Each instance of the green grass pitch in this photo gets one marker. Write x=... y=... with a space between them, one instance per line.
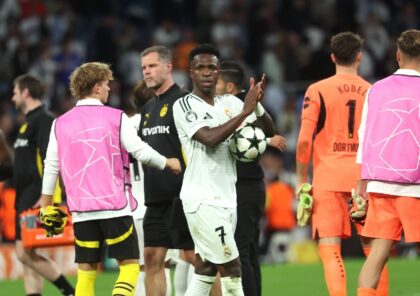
x=287 y=279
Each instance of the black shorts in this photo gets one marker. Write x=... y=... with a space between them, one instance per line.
x=251 y=202
x=118 y=233
x=165 y=226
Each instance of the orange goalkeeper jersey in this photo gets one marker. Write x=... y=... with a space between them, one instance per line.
x=335 y=106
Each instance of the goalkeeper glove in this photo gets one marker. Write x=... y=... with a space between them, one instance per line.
x=53 y=220
x=358 y=207
x=304 y=209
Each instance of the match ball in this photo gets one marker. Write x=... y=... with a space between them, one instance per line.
x=247 y=143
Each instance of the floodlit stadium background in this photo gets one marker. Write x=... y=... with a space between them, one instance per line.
x=287 y=40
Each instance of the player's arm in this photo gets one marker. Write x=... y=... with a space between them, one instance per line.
x=261 y=118
x=362 y=129
x=362 y=184
x=361 y=188
x=142 y=151
x=304 y=149
x=303 y=156
x=264 y=120
x=310 y=113
x=214 y=136
x=51 y=170
x=44 y=201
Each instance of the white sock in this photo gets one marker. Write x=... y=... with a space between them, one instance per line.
x=181 y=277
x=168 y=282
x=140 y=288
x=232 y=286
x=200 y=285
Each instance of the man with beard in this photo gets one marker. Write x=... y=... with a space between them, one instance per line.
x=30 y=150
x=164 y=222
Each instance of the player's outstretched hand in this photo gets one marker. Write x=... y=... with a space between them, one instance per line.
x=174 y=165
x=261 y=86
x=254 y=95
x=278 y=142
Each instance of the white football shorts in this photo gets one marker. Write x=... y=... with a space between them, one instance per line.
x=213 y=231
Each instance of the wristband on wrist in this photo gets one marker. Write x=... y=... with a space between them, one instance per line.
x=259 y=110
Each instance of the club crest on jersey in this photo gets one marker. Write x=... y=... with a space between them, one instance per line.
x=228 y=113
x=23 y=128
x=227 y=251
x=191 y=116
x=164 y=110
x=146 y=117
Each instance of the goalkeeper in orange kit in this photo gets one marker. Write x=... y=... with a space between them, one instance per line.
x=331 y=116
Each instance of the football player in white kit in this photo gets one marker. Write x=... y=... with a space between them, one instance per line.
x=204 y=123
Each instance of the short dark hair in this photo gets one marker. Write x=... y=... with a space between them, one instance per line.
x=345 y=46
x=163 y=52
x=34 y=85
x=203 y=49
x=232 y=72
x=409 y=43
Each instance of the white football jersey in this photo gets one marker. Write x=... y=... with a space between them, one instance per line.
x=210 y=175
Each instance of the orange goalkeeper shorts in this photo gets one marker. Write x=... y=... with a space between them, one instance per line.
x=330 y=216
x=389 y=215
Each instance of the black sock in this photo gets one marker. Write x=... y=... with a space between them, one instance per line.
x=64 y=286
x=33 y=294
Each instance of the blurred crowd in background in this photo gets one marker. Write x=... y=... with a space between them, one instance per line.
x=286 y=39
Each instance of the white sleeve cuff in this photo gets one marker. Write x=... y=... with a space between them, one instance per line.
x=259 y=110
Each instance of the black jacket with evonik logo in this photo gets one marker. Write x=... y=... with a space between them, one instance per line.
x=157 y=128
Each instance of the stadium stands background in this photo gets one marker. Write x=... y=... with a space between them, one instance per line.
x=286 y=39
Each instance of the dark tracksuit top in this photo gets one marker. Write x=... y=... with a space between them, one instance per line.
x=30 y=150
x=157 y=128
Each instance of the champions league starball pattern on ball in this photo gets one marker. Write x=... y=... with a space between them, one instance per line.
x=247 y=143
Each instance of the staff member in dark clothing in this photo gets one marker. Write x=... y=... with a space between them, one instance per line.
x=30 y=149
x=164 y=224
x=250 y=190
